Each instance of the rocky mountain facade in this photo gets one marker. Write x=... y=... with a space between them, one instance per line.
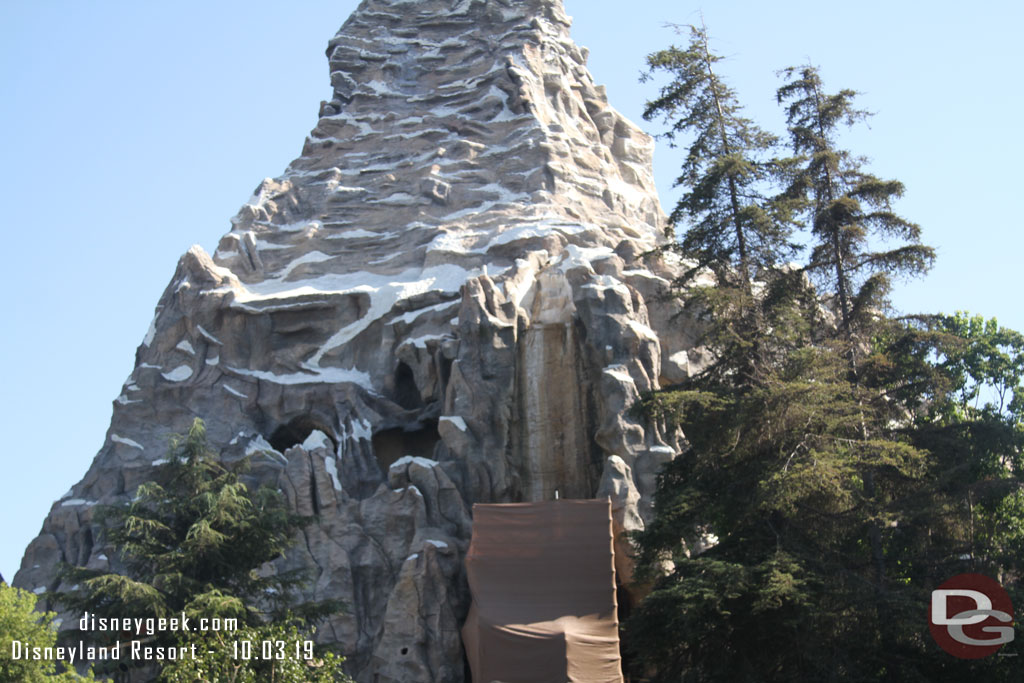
x=452 y=296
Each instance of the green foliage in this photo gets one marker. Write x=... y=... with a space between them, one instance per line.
x=841 y=464
x=847 y=207
x=735 y=230
x=192 y=543
x=815 y=574
x=968 y=415
x=20 y=623
x=279 y=653
x=739 y=234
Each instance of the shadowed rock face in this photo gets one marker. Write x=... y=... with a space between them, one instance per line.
x=444 y=300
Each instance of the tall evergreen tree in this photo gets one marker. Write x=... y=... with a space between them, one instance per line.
x=848 y=206
x=734 y=228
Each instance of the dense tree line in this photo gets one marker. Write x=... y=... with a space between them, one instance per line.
x=842 y=462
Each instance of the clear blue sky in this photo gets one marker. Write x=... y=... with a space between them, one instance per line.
x=132 y=130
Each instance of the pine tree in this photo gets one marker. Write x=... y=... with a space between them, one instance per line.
x=848 y=206
x=192 y=542
x=735 y=230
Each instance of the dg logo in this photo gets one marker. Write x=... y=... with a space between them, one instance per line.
x=970 y=616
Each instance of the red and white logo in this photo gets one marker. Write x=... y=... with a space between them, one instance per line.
x=971 y=616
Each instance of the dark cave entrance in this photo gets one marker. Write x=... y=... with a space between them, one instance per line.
x=406 y=394
x=296 y=431
x=417 y=440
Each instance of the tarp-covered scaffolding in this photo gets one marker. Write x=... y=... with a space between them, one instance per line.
x=542 y=576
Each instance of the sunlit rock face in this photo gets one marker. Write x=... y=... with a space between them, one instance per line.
x=450 y=297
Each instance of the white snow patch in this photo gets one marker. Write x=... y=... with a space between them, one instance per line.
x=331 y=465
x=127 y=442
x=259 y=445
x=151 y=332
x=437 y=544
x=406 y=459
x=642 y=330
x=361 y=429
x=234 y=392
x=523 y=232
x=668 y=450
x=410 y=316
x=213 y=361
x=456 y=420
x=583 y=256
x=273 y=308
x=412 y=557
x=186 y=346
x=316 y=439
x=39 y=590
x=619 y=372
x=457 y=241
x=208 y=336
x=421 y=341
x=77 y=502
x=178 y=374
x=298 y=226
x=351 y=234
x=411 y=488
x=384 y=292
x=444 y=277
x=160 y=461
x=314 y=376
x=608 y=282
x=311 y=257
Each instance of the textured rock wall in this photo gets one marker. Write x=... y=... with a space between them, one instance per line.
x=446 y=299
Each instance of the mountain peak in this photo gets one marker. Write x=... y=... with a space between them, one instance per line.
x=451 y=124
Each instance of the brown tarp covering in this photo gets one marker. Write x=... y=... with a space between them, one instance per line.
x=542 y=576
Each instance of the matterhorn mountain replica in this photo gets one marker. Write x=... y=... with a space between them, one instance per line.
x=449 y=298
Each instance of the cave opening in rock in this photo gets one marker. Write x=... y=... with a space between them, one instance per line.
x=406 y=393
x=417 y=440
x=296 y=431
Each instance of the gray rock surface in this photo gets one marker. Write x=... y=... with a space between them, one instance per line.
x=448 y=298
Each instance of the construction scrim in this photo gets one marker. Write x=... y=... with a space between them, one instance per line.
x=542 y=576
